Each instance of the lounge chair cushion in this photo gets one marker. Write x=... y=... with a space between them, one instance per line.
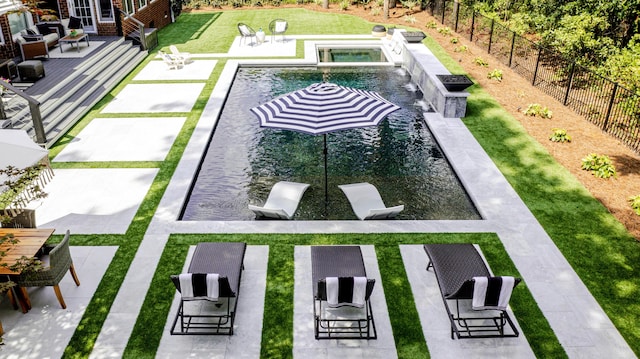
x=367 y=202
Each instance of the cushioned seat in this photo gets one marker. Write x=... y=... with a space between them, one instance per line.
x=31 y=69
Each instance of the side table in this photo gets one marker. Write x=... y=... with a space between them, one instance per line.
x=260 y=36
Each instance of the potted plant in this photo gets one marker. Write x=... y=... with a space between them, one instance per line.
x=20 y=187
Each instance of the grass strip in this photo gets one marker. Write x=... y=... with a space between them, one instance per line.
x=277 y=332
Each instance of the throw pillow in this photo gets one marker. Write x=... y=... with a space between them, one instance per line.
x=31 y=38
x=43 y=29
x=74 y=23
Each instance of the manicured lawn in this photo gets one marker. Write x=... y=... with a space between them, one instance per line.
x=603 y=254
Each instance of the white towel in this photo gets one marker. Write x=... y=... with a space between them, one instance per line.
x=332 y=290
x=186 y=285
x=482 y=288
x=359 y=291
x=357 y=286
x=211 y=282
x=213 y=286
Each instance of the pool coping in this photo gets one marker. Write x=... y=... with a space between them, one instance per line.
x=555 y=286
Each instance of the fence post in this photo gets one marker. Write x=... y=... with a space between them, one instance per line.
x=38 y=126
x=490 y=36
x=569 y=83
x=605 y=125
x=535 y=72
x=457 y=10
x=473 y=25
x=513 y=45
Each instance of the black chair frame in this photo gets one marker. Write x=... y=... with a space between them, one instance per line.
x=325 y=328
x=463 y=262
x=340 y=261
x=227 y=260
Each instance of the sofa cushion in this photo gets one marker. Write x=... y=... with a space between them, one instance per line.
x=75 y=23
x=43 y=29
x=32 y=38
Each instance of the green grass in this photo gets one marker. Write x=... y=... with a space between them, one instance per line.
x=603 y=254
x=277 y=332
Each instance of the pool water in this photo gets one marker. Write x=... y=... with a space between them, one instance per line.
x=370 y=54
x=400 y=156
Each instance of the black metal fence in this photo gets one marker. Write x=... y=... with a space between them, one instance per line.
x=613 y=108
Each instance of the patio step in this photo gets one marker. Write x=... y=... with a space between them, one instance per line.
x=99 y=81
x=68 y=101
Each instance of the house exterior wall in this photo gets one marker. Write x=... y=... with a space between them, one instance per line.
x=9 y=49
x=155 y=14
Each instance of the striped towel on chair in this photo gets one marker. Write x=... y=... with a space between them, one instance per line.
x=492 y=292
x=199 y=286
x=346 y=291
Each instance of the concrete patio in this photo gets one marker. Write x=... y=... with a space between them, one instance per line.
x=81 y=200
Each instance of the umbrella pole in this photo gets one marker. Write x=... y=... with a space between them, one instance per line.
x=326 y=184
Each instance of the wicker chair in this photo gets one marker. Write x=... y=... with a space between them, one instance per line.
x=278 y=27
x=59 y=263
x=247 y=32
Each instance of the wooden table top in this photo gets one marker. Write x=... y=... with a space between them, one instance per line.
x=31 y=240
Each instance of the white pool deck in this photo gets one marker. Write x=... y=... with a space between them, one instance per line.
x=105 y=201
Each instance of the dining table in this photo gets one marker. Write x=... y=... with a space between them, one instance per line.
x=30 y=240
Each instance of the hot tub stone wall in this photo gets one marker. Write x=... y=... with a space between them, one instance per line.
x=423 y=67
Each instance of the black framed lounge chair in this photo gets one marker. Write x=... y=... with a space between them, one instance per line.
x=367 y=203
x=480 y=299
x=341 y=293
x=214 y=276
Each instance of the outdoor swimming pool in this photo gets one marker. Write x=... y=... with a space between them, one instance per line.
x=400 y=157
x=351 y=54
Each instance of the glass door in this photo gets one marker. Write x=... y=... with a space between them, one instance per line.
x=84 y=10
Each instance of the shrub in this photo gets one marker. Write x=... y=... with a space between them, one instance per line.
x=599 y=165
x=445 y=31
x=409 y=4
x=461 y=48
x=560 y=135
x=432 y=24
x=344 y=5
x=496 y=74
x=454 y=40
x=635 y=203
x=480 y=62
x=375 y=11
x=535 y=109
x=410 y=19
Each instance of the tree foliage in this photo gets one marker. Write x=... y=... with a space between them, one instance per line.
x=601 y=35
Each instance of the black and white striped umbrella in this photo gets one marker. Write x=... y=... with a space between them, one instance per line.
x=322 y=108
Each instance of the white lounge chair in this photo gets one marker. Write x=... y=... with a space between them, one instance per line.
x=283 y=200
x=169 y=60
x=183 y=57
x=367 y=203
